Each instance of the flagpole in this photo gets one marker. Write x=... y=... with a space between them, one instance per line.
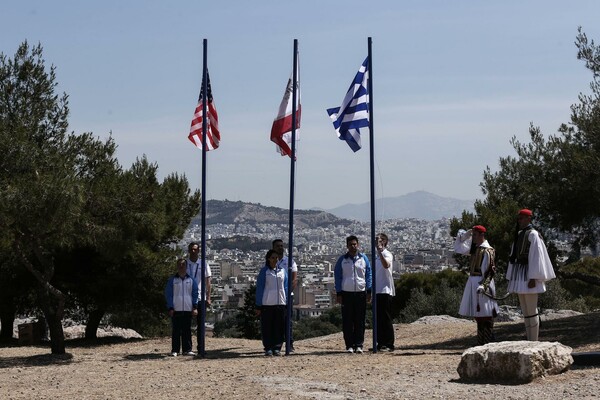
x=202 y=326
x=288 y=336
x=372 y=176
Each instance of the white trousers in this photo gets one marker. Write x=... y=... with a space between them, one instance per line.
x=530 y=315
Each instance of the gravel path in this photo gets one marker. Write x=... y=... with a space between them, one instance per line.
x=424 y=366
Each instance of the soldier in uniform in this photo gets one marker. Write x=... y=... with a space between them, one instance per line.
x=481 y=269
x=529 y=268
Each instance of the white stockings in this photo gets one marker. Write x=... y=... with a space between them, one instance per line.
x=530 y=315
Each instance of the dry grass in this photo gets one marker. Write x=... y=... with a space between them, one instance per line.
x=423 y=366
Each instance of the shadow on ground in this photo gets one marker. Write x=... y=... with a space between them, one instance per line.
x=36 y=361
x=576 y=331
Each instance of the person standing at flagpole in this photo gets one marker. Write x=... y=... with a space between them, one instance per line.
x=384 y=290
x=271 y=300
x=474 y=302
x=181 y=295
x=284 y=134
x=194 y=269
x=283 y=262
x=205 y=135
x=529 y=268
x=355 y=113
x=352 y=276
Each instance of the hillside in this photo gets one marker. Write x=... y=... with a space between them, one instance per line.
x=238 y=212
x=420 y=205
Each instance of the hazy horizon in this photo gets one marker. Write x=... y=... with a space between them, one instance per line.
x=453 y=83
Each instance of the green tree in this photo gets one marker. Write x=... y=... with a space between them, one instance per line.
x=227 y=327
x=426 y=284
x=325 y=324
x=80 y=225
x=443 y=300
x=141 y=220
x=582 y=278
x=16 y=288
x=558 y=177
x=156 y=217
x=40 y=195
x=246 y=320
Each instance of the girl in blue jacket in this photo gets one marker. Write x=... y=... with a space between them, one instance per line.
x=271 y=300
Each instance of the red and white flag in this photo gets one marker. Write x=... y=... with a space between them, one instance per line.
x=213 y=136
x=281 y=131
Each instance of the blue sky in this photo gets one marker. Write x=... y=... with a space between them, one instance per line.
x=453 y=82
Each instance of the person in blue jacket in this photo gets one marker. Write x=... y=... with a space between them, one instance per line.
x=353 y=280
x=271 y=300
x=181 y=294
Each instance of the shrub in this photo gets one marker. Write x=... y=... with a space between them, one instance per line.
x=227 y=327
x=443 y=300
x=427 y=283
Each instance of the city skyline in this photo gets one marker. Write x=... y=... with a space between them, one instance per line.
x=453 y=83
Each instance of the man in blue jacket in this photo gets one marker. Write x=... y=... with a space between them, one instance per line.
x=353 y=288
x=181 y=294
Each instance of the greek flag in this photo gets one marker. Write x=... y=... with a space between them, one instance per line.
x=353 y=114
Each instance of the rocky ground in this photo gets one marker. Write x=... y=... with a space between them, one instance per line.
x=423 y=366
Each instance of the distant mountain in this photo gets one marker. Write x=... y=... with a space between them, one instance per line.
x=420 y=205
x=238 y=212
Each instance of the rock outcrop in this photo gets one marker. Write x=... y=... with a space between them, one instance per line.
x=514 y=362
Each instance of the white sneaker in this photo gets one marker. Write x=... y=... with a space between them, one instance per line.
x=190 y=353
x=349 y=350
x=174 y=354
x=359 y=350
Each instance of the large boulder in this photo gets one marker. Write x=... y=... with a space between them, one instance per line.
x=514 y=362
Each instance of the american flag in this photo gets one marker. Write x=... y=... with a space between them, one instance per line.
x=354 y=111
x=213 y=136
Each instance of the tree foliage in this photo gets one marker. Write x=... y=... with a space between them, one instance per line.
x=583 y=279
x=557 y=176
x=227 y=327
x=141 y=219
x=247 y=323
x=443 y=300
x=426 y=284
x=74 y=226
x=40 y=195
x=325 y=324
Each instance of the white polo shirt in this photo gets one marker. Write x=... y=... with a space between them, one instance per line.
x=195 y=271
x=383 y=276
x=283 y=263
